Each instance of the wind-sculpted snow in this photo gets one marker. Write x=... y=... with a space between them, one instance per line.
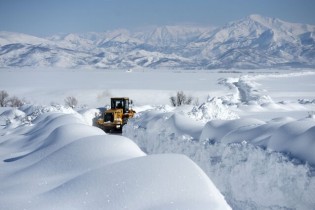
x=212 y=109
x=51 y=158
x=226 y=145
x=244 y=90
x=256 y=164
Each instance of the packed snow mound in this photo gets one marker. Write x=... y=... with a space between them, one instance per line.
x=58 y=161
x=256 y=164
x=184 y=121
x=215 y=130
x=244 y=90
x=292 y=137
x=165 y=123
x=90 y=115
x=27 y=113
x=11 y=118
x=288 y=135
x=212 y=109
x=296 y=138
x=246 y=93
x=139 y=183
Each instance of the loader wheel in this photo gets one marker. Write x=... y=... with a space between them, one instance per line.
x=107 y=130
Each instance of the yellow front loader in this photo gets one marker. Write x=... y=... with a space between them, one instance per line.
x=117 y=116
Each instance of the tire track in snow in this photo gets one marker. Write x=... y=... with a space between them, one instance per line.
x=245 y=90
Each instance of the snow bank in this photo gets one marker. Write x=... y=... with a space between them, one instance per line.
x=90 y=115
x=11 y=118
x=212 y=109
x=293 y=137
x=58 y=161
x=245 y=90
x=256 y=164
x=154 y=182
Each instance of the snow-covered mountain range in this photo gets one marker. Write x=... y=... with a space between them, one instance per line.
x=253 y=42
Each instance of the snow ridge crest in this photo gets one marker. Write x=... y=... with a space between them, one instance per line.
x=253 y=42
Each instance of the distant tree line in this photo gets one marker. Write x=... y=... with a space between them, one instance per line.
x=7 y=101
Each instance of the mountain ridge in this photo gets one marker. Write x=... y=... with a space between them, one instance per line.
x=250 y=43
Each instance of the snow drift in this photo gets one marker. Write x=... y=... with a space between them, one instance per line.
x=256 y=164
x=52 y=159
x=253 y=139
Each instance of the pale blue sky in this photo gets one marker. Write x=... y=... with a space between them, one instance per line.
x=46 y=17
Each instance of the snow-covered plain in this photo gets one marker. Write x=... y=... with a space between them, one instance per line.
x=252 y=133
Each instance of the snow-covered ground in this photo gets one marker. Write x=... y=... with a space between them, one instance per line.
x=252 y=133
x=52 y=158
x=95 y=87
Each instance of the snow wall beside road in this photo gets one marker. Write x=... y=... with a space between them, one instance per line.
x=256 y=164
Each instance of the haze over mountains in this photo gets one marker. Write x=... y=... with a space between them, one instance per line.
x=252 y=42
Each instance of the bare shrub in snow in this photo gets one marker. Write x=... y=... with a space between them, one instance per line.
x=180 y=99
x=3 y=98
x=15 y=102
x=7 y=101
x=173 y=100
x=71 y=101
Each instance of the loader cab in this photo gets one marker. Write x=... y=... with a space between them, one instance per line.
x=120 y=103
x=115 y=118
